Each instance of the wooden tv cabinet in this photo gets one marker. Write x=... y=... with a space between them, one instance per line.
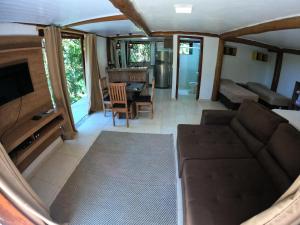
x=27 y=140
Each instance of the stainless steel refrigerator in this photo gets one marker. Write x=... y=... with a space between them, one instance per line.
x=163 y=69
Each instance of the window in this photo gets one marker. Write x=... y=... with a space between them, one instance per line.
x=139 y=53
x=186 y=48
x=73 y=53
x=74 y=67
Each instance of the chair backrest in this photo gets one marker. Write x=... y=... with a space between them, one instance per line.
x=153 y=87
x=117 y=93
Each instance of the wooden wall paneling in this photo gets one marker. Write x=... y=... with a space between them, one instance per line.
x=32 y=103
x=127 y=8
x=281 y=24
x=277 y=71
x=10 y=214
x=218 y=71
x=19 y=42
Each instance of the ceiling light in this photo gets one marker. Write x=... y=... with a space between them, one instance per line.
x=183 y=8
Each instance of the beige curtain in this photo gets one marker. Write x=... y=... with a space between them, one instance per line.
x=18 y=191
x=53 y=45
x=92 y=73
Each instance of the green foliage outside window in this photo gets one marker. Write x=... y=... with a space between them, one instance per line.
x=185 y=49
x=140 y=52
x=74 y=70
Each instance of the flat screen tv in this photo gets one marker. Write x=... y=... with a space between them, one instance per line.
x=15 y=82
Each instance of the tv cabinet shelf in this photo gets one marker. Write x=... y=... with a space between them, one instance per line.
x=28 y=139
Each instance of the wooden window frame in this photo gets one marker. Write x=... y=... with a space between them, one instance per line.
x=66 y=35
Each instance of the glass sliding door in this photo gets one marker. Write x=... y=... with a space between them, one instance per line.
x=75 y=74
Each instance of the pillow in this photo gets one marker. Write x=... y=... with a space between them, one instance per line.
x=285 y=211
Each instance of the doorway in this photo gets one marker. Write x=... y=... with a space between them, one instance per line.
x=189 y=66
x=75 y=73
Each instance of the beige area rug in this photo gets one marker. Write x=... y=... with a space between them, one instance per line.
x=124 y=179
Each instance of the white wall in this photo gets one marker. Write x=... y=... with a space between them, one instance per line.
x=210 y=52
x=242 y=68
x=290 y=73
x=102 y=55
x=17 y=29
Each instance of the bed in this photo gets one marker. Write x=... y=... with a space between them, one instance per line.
x=268 y=97
x=232 y=94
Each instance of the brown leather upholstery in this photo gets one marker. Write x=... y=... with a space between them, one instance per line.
x=217 y=117
x=208 y=142
x=284 y=146
x=258 y=120
x=235 y=167
x=225 y=192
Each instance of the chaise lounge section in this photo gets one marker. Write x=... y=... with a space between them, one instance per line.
x=234 y=164
x=269 y=97
x=232 y=95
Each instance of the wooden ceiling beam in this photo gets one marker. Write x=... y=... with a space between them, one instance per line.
x=127 y=36
x=291 y=51
x=127 y=8
x=171 y=33
x=254 y=43
x=98 y=20
x=281 y=24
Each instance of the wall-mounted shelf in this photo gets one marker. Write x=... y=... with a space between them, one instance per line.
x=260 y=56
x=228 y=50
x=28 y=139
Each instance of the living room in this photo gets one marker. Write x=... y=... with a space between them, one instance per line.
x=135 y=112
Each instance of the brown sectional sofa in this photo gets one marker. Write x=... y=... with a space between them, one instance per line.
x=235 y=164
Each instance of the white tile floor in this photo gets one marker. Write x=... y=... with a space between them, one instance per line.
x=80 y=109
x=49 y=178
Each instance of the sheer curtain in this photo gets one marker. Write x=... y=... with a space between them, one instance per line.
x=53 y=44
x=92 y=73
x=18 y=191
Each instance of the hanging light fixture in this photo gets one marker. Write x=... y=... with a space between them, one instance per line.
x=130 y=45
x=118 y=45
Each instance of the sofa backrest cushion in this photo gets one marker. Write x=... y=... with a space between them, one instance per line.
x=252 y=143
x=284 y=146
x=258 y=120
x=279 y=177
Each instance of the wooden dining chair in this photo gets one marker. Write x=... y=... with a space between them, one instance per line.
x=105 y=95
x=145 y=103
x=118 y=98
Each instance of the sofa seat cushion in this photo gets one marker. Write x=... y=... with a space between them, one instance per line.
x=225 y=192
x=208 y=142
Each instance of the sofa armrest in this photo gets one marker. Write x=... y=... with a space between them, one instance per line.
x=217 y=117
